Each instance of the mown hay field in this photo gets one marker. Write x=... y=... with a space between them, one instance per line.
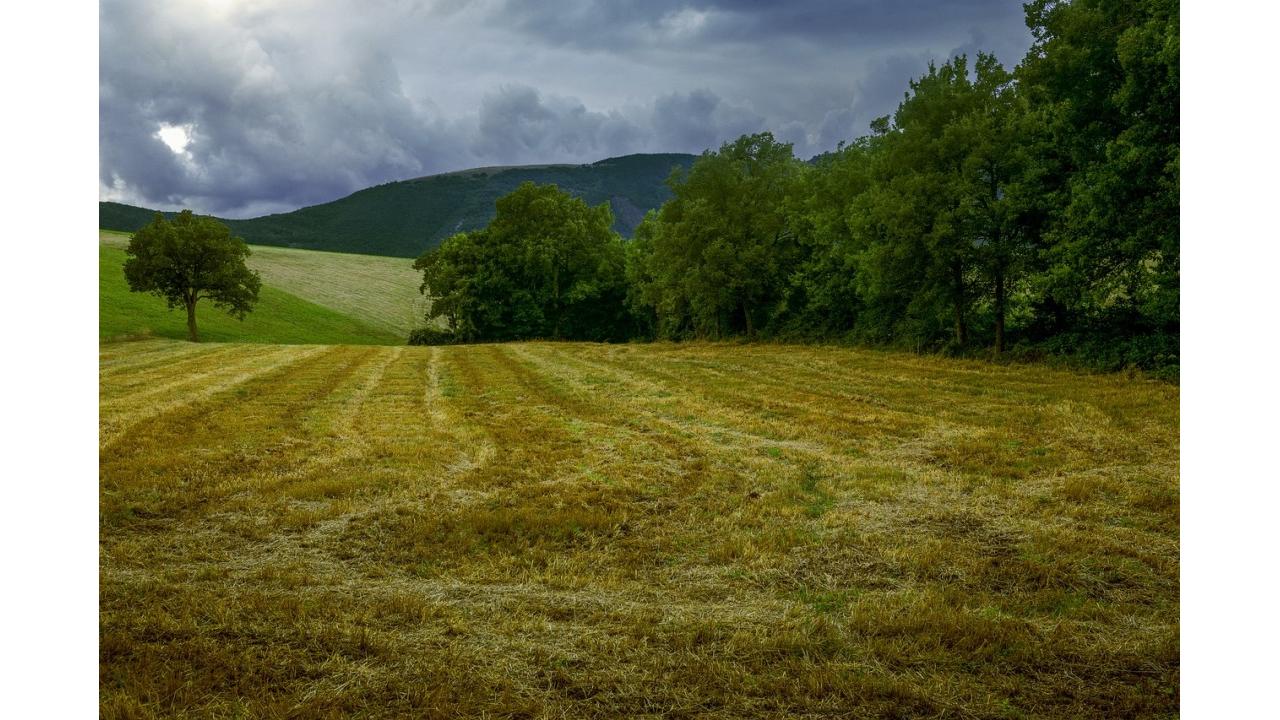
x=576 y=530
x=381 y=292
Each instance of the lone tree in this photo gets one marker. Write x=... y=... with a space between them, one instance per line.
x=190 y=259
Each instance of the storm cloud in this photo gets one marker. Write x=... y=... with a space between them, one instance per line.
x=276 y=105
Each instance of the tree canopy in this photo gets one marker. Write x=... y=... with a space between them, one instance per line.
x=547 y=266
x=189 y=259
x=717 y=252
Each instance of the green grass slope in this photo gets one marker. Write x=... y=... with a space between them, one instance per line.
x=380 y=291
x=280 y=317
x=405 y=218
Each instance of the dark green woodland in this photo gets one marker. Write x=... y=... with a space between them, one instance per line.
x=1030 y=212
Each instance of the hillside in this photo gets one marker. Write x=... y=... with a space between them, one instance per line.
x=280 y=316
x=381 y=292
x=404 y=218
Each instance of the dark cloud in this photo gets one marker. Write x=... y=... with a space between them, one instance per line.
x=268 y=130
x=698 y=120
x=517 y=125
x=626 y=23
x=885 y=23
x=290 y=103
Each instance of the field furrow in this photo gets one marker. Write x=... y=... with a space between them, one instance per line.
x=120 y=357
x=187 y=381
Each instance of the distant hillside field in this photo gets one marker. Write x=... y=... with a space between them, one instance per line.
x=379 y=291
x=280 y=316
x=402 y=219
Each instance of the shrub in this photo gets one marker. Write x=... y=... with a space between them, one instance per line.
x=431 y=336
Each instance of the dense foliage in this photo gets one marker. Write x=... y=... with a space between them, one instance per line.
x=403 y=219
x=189 y=259
x=547 y=266
x=1032 y=210
x=713 y=260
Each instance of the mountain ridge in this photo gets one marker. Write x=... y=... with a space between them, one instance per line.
x=403 y=218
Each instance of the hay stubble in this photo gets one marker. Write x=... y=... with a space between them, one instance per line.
x=553 y=530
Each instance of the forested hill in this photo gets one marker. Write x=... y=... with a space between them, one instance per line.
x=407 y=217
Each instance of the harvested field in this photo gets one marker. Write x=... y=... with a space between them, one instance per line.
x=578 y=530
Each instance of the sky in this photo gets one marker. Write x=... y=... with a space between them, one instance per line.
x=241 y=108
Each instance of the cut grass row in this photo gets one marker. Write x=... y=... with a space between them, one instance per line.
x=381 y=292
x=553 y=530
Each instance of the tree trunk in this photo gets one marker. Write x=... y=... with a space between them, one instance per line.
x=556 y=307
x=962 y=328
x=191 y=321
x=1000 y=303
x=746 y=316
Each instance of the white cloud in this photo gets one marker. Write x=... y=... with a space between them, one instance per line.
x=175 y=137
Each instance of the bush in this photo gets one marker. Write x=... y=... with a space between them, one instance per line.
x=431 y=336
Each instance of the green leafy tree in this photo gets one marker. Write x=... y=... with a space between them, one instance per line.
x=189 y=259
x=548 y=265
x=941 y=230
x=1104 y=76
x=643 y=294
x=919 y=259
x=995 y=200
x=720 y=250
x=821 y=297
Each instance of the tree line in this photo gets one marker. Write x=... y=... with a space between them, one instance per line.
x=1033 y=209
